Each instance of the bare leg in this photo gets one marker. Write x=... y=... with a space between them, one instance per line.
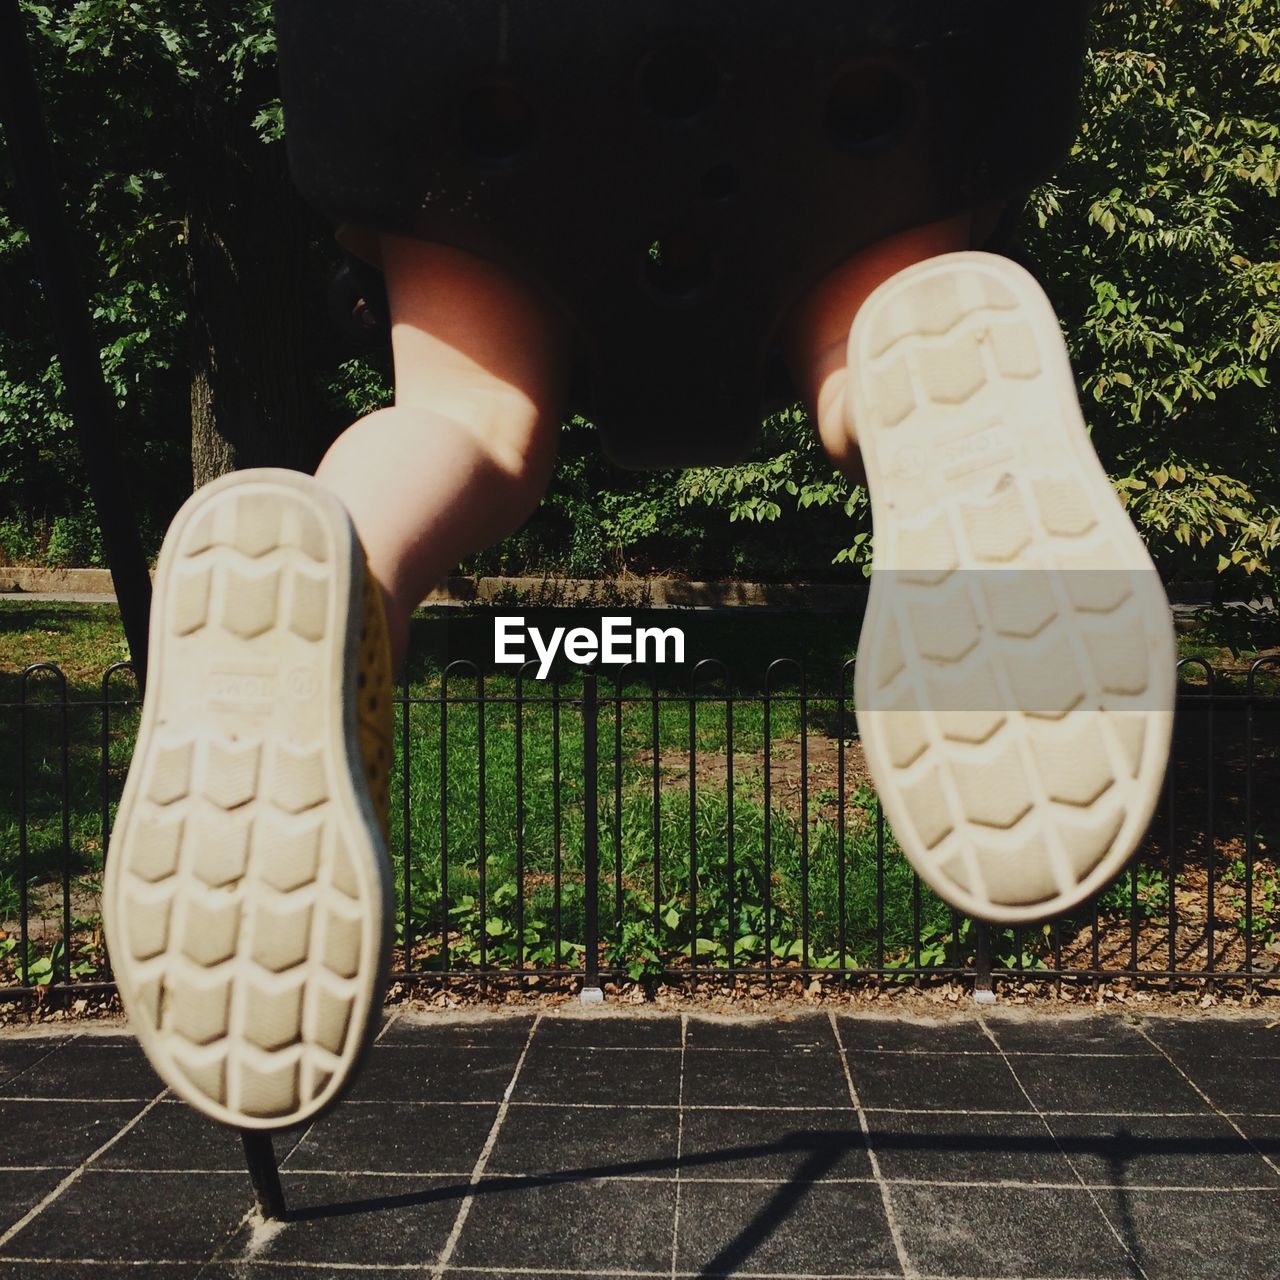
x=464 y=455
x=279 y=778
x=989 y=728
x=818 y=335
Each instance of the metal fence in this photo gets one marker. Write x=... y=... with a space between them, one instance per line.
x=614 y=827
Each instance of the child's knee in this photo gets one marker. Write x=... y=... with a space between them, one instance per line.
x=819 y=329
x=828 y=413
x=519 y=443
x=476 y=347
x=465 y=327
x=503 y=424
x=495 y=452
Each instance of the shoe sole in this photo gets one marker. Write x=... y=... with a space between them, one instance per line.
x=1016 y=675
x=247 y=896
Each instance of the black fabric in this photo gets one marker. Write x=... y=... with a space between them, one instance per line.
x=673 y=173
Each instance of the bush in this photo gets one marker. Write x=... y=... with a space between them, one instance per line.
x=18 y=540
x=74 y=542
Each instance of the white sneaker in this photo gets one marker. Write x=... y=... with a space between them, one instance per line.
x=1015 y=681
x=247 y=899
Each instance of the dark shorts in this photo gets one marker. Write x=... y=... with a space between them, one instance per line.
x=674 y=174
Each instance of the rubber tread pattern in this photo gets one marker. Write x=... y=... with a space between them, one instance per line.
x=1016 y=719
x=247 y=903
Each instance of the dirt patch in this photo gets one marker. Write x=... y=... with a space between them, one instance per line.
x=786 y=997
x=934 y=1004
x=44 y=910
x=794 y=996
x=789 y=772
x=1192 y=939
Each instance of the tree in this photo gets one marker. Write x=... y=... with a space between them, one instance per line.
x=1162 y=245
x=168 y=132
x=1159 y=242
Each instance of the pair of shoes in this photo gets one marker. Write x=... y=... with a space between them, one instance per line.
x=247 y=901
x=1014 y=698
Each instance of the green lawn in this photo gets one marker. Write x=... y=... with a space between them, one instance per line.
x=790 y=864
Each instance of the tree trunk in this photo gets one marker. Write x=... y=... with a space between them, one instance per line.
x=252 y=311
x=211 y=453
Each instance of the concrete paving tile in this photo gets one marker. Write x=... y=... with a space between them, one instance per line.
x=1235 y=1084
x=1088 y=1034
x=424 y=1073
x=564 y=1140
x=606 y=1031
x=767 y=1035
x=369 y=1219
x=965 y=1148
x=773 y=1145
x=1226 y=1037
x=1263 y=1132
x=580 y=1226
x=927 y=1083
x=21 y=1190
x=1120 y=1085
x=784 y=1226
x=154 y=1217
x=1007 y=1231
x=173 y=1135
x=862 y=1034
x=1217 y=1235
x=59 y=1133
x=88 y=1069
x=392 y=1137
x=18 y=1054
x=1188 y=1151
x=450 y=1032
x=802 y=1077
x=581 y=1075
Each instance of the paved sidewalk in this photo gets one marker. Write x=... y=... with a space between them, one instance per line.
x=673 y=1146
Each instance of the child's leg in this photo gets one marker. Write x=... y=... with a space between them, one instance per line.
x=818 y=338
x=463 y=457
x=1015 y=677
x=247 y=900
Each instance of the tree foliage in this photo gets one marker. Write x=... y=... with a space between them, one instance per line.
x=1159 y=242
x=166 y=127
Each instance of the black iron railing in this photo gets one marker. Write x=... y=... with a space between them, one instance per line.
x=602 y=827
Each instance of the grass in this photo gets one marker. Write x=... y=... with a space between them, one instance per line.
x=665 y=912
x=484 y=885
x=82 y=639
x=1231 y=641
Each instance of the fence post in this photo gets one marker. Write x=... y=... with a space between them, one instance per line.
x=982 y=992
x=264 y=1173
x=591 y=992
